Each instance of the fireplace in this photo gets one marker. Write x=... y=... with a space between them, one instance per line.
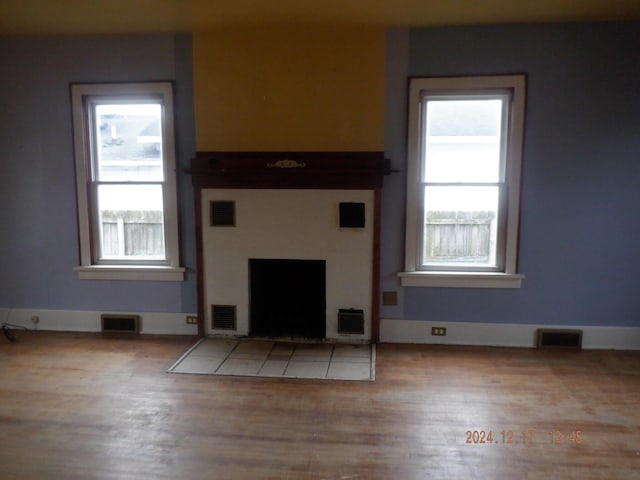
x=287 y=243
x=287 y=298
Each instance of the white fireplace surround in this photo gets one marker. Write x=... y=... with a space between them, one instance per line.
x=299 y=224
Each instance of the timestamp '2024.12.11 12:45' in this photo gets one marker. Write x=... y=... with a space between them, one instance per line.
x=522 y=437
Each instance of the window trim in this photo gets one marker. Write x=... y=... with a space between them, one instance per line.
x=507 y=277
x=89 y=268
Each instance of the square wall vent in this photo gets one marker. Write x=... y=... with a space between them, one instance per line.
x=350 y=321
x=119 y=323
x=351 y=215
x=222 y=213
x=223 y=317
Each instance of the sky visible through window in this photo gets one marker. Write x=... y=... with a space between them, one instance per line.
x=462 y=145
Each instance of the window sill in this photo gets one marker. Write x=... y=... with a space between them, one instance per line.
x=136 y=272
x=461 y=279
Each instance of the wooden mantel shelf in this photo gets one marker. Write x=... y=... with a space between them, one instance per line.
x=330 y=170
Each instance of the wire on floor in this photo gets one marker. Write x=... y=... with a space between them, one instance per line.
x=9 y=329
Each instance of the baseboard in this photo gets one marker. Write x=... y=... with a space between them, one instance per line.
x=502 y=335
x=391 y=331
x=89 y=321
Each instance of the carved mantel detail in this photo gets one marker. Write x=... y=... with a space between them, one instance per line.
x=286 y=164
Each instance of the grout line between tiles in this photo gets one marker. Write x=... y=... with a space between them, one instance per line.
x=293 y=352
x=326 y=374
x=273 y=345
x=227 y=357
x=185 y=355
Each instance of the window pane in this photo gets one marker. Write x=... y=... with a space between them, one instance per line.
x=128 y=142
x=462 y=140
x=131 y=222
x=460 y=226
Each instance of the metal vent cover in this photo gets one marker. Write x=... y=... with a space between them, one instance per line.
x=120 y=323
x=559 y=338
x=222 y=213
x=350 y=321
x=223 y=317
x=351 y=215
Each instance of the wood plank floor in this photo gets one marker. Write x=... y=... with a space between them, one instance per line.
x=86 y=406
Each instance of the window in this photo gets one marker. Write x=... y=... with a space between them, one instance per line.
x=126 y=181
x=463 y=181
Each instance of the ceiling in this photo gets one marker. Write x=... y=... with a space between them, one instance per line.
x=76 y=17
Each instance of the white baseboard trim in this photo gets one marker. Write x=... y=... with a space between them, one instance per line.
x=502 y=335
x=89 y=321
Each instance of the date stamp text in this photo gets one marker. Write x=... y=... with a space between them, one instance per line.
x=523 y=437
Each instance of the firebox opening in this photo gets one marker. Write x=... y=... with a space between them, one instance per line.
x=287 y=298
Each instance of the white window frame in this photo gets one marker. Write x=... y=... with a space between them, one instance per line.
x=90 y=268
x=415 y=275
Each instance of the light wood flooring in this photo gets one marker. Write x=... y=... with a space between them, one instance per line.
x=87 y=406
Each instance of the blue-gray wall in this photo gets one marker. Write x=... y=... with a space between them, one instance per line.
x=39 y=239
x=580 y=207
x=580 y=219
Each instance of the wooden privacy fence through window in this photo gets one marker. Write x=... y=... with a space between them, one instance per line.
x=132 y=233
x=459 y=235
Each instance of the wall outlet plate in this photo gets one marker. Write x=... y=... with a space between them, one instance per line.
x=192 y=319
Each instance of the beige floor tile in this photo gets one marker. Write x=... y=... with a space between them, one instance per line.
x=356 y=371
x=199 y=364
x=306 y=369
x=239 y=366
x=312 y=352
x=281 y=348
x=214 y=346
x=273 y=368
x=281 y=358
x=251 y=350
x=352 y=353
x=248 y=356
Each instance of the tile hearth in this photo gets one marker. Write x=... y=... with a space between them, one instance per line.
x=265 y=358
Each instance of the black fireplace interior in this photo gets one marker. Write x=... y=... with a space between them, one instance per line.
x=287 y=298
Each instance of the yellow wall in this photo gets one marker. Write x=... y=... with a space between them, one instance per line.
x=289 y=88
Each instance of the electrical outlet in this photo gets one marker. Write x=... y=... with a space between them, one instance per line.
x=192 y=319
x=35 y=319
x=439 y=331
